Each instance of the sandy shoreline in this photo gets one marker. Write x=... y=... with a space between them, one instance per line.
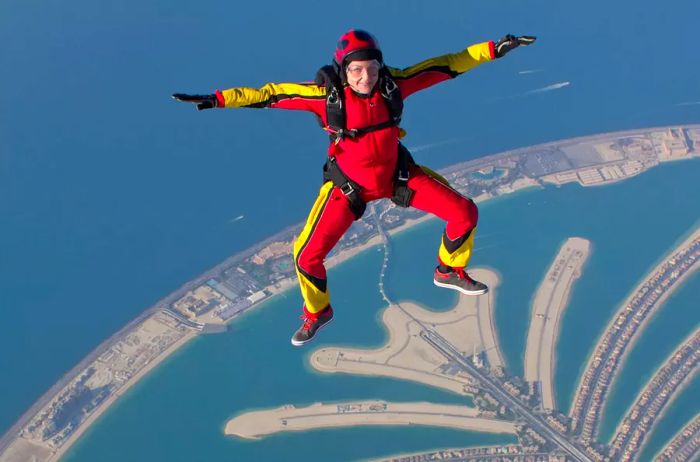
x=51 y=455
x=108 y=403
x=487 y=321
x=550 y=301
x=407 y=356
x=55 y=454
x=289 y=418
x=282 y=286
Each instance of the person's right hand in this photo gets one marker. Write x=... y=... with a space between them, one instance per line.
x=202 y=101
x=510 y=42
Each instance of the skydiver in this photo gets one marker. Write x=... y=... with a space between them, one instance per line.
x=359 y=101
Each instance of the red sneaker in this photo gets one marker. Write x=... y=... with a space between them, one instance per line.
x=312 y=323
x=458 y=279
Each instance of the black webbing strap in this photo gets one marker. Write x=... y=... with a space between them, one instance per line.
x=335 y=107
x=333 y=173
x=373 y=128
x=354 y=133
x=402 y=193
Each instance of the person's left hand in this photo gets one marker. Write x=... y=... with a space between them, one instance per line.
x=202 y=101
x=510 y=42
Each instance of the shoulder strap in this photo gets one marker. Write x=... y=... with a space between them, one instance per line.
x=335 y=107
x=391 y=94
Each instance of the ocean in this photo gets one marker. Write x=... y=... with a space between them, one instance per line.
x=112 y=195
x=253 y=366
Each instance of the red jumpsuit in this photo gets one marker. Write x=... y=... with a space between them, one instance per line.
x=370 y=160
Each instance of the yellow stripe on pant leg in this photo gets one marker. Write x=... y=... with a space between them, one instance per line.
x=433 y=174
x=460 y=257
x=315 y=299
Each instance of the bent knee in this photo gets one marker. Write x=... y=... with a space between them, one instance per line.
x=309 y=260
x=471 y=213
x=296 y=248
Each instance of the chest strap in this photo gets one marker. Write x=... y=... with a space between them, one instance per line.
x=354 y=133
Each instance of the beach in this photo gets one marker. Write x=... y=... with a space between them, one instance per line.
x=157 y=327
x=550 y=301
x=135 y=379
x=258 y=424
x=407 y=356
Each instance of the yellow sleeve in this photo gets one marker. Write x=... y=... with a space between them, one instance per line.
x=283 y=95
x=471 y=57
x=435 y=70
x=452 y=63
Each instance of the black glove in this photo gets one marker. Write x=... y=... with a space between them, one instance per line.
x=202 y=101
x=509 y=42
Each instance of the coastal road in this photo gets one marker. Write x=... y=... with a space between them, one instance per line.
x=446 y=348
x=488 y=383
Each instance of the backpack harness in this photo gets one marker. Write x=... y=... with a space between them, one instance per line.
x=328 y=76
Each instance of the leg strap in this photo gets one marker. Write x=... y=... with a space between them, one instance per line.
x=402 y=193
x=351 y=190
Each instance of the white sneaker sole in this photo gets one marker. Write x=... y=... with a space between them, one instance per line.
x=298 y=343
x=459 y=289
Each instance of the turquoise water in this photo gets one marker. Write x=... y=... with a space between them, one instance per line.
x=111 y=190
x=253 y=366
x=188 y=400
x=683 y=410
x=661 y=338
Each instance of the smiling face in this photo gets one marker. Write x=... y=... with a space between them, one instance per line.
x=362 y=76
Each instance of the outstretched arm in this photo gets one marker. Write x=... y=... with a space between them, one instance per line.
x=434 y=70
x=295 y=96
